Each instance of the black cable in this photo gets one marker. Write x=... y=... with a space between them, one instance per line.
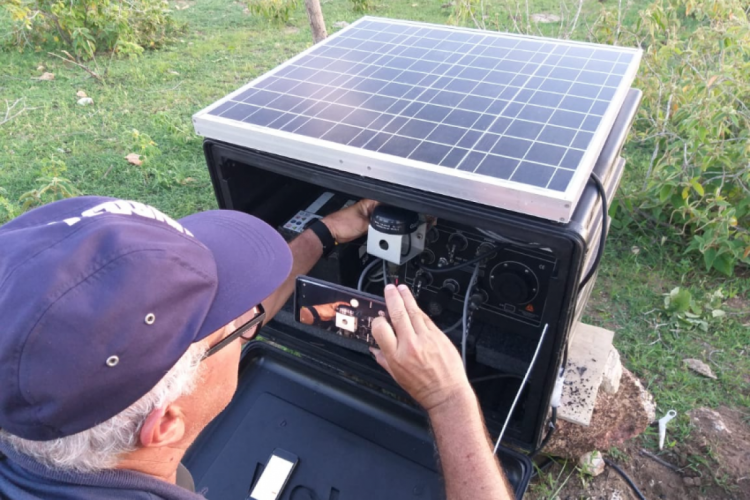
x=602 y=235
x=552 y=426
x=469 y=262
x=626 y=478
x=454 y=326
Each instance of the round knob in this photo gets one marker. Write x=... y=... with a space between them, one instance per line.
x=514 y=283
x=434 y=308
x=459 y=241
x=433 y=235
x=427 y=257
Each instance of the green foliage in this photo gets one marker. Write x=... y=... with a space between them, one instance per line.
x=149 y=153
x=465 y=12
x=549 y=486
x=695 y=119
x=275 y=11
x=685 y=312
x=8 y=209
x=52 y=186
x=85 y=27
x=362 y=5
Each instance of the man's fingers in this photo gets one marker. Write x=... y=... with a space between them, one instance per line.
x=416 y=315
x=398 y=314
x=381 y=359
x=384 y=335
x=367 y=207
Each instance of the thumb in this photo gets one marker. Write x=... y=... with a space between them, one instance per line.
x=381 y=359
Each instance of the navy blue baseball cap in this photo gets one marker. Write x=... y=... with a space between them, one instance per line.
x=100 y=297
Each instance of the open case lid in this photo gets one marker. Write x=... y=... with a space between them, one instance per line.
x=352 y=442
x=508 y=121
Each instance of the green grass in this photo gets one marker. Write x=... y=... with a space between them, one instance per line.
x=224 y=48
x=629 y=299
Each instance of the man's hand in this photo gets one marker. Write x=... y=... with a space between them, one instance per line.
x=351 y=222
x=326 y=312
x=418 y=355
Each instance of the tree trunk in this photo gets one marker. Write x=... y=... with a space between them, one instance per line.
x=317 y=24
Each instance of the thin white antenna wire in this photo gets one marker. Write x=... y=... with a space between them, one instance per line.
x=520 y=389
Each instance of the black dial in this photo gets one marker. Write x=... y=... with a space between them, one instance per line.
x=427 y=257
x=514 y=283
x=433 y=235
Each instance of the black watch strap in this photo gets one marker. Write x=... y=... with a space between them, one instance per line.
x=324 y=235
x=315 y=315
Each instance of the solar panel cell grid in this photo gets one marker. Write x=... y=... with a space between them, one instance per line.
x=506 y=107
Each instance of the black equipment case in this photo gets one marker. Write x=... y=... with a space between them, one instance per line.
x=323 y=398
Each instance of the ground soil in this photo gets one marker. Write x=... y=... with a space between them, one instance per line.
x=718 y=459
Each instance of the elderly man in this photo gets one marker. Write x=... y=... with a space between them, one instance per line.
x=121 y=333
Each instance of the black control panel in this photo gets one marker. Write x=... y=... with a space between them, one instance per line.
x=512 y=282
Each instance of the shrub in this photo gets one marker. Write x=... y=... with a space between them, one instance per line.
x=8 y=209
x=695 y=124
x=52 y=186
x=466 y=12
x=276 y=11
x=85 y=27
x=362 y=5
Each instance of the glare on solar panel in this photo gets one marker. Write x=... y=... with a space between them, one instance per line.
x=505 y=120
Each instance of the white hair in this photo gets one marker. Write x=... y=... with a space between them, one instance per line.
x=102 y=446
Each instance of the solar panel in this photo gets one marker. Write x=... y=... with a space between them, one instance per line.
x=511 y=121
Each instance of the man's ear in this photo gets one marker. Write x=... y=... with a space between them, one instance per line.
x=163 y=427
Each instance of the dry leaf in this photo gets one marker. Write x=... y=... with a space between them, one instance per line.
x=171 y=72
x=187 y=180
x=711 y=81
x=85 y=101
x=41 y=67
x=81 y=93
x=47 y=76
x=699 y=366
x=135 y=159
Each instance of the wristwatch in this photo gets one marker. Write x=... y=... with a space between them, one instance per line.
x=324 y=235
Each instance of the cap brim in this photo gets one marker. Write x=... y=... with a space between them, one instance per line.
x=252 y=261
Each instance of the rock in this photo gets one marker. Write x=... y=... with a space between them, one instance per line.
x=699 y=366
x=612 y=373
x=691 y=481
x=545 y=18
x=85 y=101
x=701 y=417
x=616 y=418
x=592 y=463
